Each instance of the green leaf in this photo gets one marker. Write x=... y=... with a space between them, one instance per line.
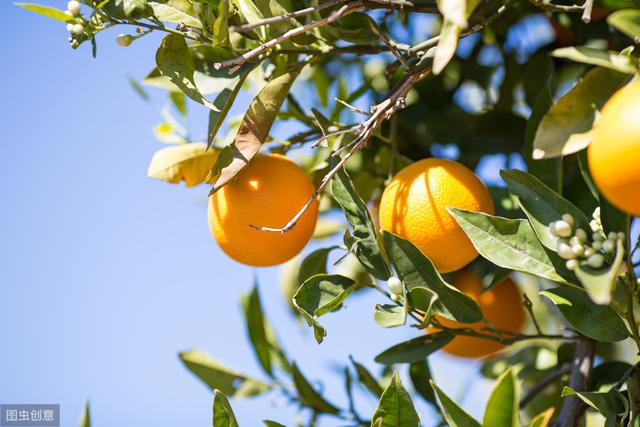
x=565 y=128
x=250 y=12
x=415 y=349
x=365 y=247
x=390 y=315
x=309 y=396
x=270 y=423
x=221 y=25
x=543 y=419
x=395 y=408
x=542 y=205
x=420 y=375
x=175 y=12
x=626 y=21
x=599 y=322
x=314 y=263
x=178 y=100
x=447 y=45
x=508 y=243
x=319 y=295
x=50 y=12
x=503 y=404
x=256 y=125
x=128 y=9
x=610 y=403
x=601 y=283
x=218 y=376
x=603 y=58
x=367 y=379
x=223 y=415
x=85 y=420
x=175 y=62
x=185 y=162
x=256 y=328
x=417 y=272
x=453 y=414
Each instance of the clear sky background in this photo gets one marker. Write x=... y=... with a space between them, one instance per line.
x=105 y=274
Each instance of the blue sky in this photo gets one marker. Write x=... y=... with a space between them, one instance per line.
x=105 y=274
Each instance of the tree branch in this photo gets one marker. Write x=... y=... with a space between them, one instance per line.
x=544 y=383
x=581 y=366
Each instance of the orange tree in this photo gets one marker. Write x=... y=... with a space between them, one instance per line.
x=537 y=278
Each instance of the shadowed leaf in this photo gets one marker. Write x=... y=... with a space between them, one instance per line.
x=454 y=414
x=415 y=349
x=395 y=408
x=309 y=396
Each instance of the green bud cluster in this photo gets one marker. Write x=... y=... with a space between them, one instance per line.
x=574 y=244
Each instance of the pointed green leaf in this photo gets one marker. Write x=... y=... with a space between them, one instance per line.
x=319 y=295
x=169 y=11
x=543 y=419
x=256 y=329
x=85 y=420
x=223 y=102
x=610 y=403
x=415 y=349
x=365 y=247
x=395 y=408
x=218 y=376
x=221 y=24
x=390 y=315
x=175 y=62
x=420 y=375
x=599 y=322
x=565 y=128
x=508 y=243
x=542 y=205
x=417 y=271
x=454 y=414
x=627 y=21
x=604 y=58
x=503 y=404
x=50 y=12
x=223 y=415
x=128 y=9
x=270 y=423
x=256 y=124
x=367 y=379
x=314 y=263
x=600 y=283
x=309 y=396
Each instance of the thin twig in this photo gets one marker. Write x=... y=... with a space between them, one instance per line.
x=393 y=46
x=586 y=13
x=552 y=7
x=352 y=108
x=626 y=376
x=544 y=383
x=333 y=17
x=276 y=19
x=322 y=139
x=529 y=306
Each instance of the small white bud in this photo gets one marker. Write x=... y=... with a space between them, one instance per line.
x=574 y=241
x=562 y=228
x=595 y=261
x=597 y=245
x=572 y=264
x=621 y=236
x=66 y=12
x=564 y=250
x=612 y=235
x=568 y=218
x=124 y=40
x=552 y=229
x=578 y=250
x=69 y=28
x=77 y=29
x=74 y=7
x=582 y=235
x=395 y=285
x=598 y=237
x=609 y=246
x=596 y=213
x=395 y=297
x=588 y=252
x=594 y=226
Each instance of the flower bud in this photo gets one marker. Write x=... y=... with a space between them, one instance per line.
x=572 y=264
x=581 y=235
x=73 y=7
x=597 y=245
x=395 y=285
x=69 y=28
x=124 y=40
x=568 y=218
x=621 y=236
x=77 y=29
x=598 y=237
x=596 y=213
x=612 y=235
x=595 y=261
x=395 y=297
x=578 y=250
x=609 y=246
x=588 y=252
x=564 y=250
x=563 y=229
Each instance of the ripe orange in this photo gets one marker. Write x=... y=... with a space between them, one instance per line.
x=501 y=305
x=268 y=192
x=413 y=206
x=614 y=153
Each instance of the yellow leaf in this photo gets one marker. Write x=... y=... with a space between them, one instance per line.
x=189 y=162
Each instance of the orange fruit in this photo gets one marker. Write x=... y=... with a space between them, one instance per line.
x=414 y=204
x=501 y=305
x=268 y=192
x=614 y=152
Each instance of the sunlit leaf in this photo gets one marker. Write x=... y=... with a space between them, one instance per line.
x=389 y=315
x=395 y=408
x=172 y=12
x=186 y=162
x=503 y=404
x=85 y=420
x=128 y=9
x=627 y=21
x=454 y=414
x=600 y=283
x=223 y=415
x=223 y=102
x=610 y=403
x=603 y=58
x=50 y=12
x=599 y=322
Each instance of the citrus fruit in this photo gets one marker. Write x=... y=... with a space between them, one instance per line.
x=501 y=306
x=614 y=153
x=414 y=204
x=268 y=192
